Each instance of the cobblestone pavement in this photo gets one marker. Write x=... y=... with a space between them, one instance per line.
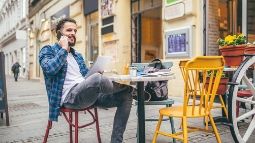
x=28 y=109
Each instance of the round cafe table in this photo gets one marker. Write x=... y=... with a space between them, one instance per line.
x=140 y=92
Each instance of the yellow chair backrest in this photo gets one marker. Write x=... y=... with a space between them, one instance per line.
x=182 y=66
x=202 y=76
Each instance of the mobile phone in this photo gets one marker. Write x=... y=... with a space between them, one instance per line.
x=59 y=34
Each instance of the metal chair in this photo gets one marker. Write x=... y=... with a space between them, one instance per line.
x=75 y=125
x=196 y=73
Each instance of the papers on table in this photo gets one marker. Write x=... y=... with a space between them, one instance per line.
x=160 y=73
x=102 y=64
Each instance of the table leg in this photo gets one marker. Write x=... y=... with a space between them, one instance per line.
x=141 y=114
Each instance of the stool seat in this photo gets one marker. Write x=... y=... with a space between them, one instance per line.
x=244 y=93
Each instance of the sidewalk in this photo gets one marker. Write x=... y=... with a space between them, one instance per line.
x=28 y=109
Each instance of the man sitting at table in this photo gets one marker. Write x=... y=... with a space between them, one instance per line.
x=64 y=71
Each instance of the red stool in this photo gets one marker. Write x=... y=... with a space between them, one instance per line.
x=242 y=94
x=76 y=125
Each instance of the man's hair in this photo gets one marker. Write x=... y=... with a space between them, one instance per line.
x=63 y=21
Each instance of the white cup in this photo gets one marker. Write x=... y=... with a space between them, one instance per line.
x=132 y=71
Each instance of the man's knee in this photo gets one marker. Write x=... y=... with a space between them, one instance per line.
x=106 y=85
x=94 y=80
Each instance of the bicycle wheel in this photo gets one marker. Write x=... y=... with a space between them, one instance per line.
x=243 y=125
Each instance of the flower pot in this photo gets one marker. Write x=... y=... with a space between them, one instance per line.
x=233 y=55
x=250 y=50
x=222 y=86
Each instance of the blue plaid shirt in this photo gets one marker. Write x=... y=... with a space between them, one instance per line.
x=54 y=65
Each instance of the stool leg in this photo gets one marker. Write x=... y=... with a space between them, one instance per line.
x=70 y=126
x=237 y=108
x=47 y=131
x=76 y=127
x=252 y=109
x=97 y=126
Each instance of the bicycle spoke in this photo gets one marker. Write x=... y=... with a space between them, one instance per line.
x=246 y=115
x=249 y=130
x=247 y=100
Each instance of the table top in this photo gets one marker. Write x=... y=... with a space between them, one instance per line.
x=141 y=77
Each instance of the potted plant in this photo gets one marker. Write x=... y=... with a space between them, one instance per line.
x=250 y=49
x=232 y=49
x=222 y=88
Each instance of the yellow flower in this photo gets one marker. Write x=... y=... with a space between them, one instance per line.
x=236 y=39
x=229 y=39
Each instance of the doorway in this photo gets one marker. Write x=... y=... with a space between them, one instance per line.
x=146 y=30
x=151 y=35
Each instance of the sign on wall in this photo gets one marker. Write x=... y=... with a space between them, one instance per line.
x=174 y=11
x=107 y=8
x=178 y=42
x=179 y=8
x=170 y=2
x=63 y=13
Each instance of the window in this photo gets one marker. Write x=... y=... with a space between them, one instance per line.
x=107 y=25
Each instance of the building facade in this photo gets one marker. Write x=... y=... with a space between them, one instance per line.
x=13 y=34
x=140 y=30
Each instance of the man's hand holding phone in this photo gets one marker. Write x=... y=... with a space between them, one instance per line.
x=63 y=41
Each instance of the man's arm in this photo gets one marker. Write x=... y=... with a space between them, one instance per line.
x=52 y=62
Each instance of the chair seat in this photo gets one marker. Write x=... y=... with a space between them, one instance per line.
x=163 y=102
x=177 y=111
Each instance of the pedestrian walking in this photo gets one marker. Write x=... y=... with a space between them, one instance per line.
x=15 y=70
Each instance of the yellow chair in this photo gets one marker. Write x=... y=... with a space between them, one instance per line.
x=182 y=64
x=196 y=72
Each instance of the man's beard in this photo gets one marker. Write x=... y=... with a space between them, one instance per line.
x=72 y=44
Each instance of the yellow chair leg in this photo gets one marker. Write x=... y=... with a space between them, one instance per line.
x=157 y=129
x=223 y=106
x=215 y=129
x=206 y=122
x=185 y=129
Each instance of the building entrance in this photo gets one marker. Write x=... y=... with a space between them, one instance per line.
x=146 y=30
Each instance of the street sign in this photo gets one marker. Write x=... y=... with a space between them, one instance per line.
x=3 y=92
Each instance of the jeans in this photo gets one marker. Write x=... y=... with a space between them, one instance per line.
x=99 y=91
x=16 y=75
